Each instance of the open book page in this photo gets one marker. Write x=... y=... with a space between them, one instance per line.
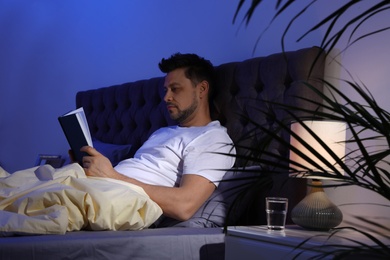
x=83 y=123
x=75 y=127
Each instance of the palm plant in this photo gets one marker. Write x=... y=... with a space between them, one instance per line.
x=366 y=122
x=334 y=25
x=366 y=165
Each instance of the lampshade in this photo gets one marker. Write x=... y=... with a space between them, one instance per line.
x=332 y=133
x=316 y=211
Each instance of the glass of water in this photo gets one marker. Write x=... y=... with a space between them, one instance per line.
x=276 y=209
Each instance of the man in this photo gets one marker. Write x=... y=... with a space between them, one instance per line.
x=178 y=167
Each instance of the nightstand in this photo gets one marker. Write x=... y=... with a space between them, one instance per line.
x=257 y=242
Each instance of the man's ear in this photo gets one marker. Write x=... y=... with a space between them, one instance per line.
x=204 y=88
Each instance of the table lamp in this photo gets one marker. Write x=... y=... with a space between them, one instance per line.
x=316 y=211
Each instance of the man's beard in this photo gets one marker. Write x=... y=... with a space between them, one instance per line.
x=183 y=115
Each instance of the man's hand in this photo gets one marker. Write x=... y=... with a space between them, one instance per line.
x=97 y=164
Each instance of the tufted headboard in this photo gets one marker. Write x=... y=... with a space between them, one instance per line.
x=130 y=112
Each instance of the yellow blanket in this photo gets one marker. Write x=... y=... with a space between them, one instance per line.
x=44 y=200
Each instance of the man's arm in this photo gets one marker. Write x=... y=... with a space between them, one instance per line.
x=176 y=202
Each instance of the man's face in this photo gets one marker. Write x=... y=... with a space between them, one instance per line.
x=181 y=96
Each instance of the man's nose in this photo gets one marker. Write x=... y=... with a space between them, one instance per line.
x=167 y=96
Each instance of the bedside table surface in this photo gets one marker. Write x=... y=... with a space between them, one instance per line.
x=293 y=235
x=257 y=242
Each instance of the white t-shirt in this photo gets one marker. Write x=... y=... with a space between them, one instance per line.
x=171 y=152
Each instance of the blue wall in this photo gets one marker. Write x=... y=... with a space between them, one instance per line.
x=51 y=49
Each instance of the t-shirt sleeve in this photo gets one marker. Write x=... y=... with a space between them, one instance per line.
x=208 y=156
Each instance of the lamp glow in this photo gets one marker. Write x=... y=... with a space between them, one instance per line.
x=316 y=211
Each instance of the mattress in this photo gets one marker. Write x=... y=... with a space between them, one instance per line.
x=160 y=243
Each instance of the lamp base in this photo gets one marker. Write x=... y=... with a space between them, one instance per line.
x=316 y=211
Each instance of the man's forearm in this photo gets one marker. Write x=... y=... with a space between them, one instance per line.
x=168 y=198
x=177 y=202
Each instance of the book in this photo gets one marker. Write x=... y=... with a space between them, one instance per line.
x=76 y=130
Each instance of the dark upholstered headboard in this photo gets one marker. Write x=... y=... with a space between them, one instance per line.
x=130 y=112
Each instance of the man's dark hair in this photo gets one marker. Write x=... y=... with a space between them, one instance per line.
x=196 y=68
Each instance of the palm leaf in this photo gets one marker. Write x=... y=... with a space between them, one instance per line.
x=330 y=22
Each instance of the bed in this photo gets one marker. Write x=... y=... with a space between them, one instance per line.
x=121 y=117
